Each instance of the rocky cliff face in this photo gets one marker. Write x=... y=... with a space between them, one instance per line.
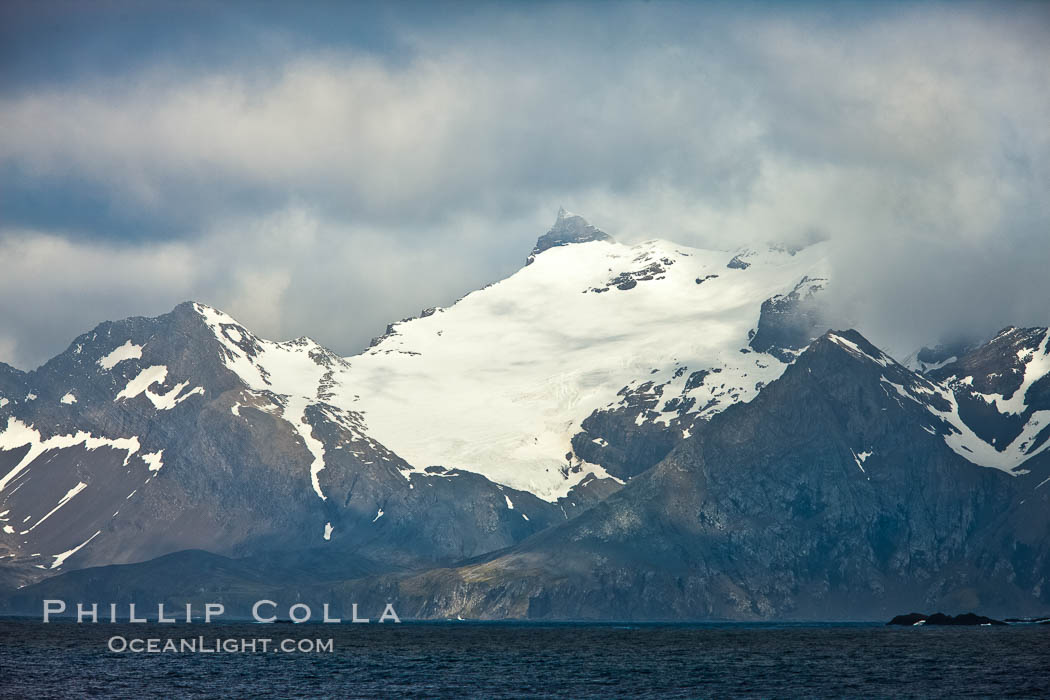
x=568 y=228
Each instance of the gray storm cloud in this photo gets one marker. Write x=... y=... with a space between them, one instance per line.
x=345 y=189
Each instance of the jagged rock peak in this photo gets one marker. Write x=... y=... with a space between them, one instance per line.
x=568 y=228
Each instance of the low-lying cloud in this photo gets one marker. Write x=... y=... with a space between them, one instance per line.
x=346 y=189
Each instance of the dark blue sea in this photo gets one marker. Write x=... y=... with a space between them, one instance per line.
x=522 y=660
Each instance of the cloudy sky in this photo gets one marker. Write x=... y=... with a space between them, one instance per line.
x=324 y=169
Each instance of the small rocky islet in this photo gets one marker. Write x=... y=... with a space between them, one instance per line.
x=970 y=619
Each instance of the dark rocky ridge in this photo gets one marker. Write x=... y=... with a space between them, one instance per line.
x=788 y=323
x=12 y=381
x=567 y=229
x=738 y=263
x=928 y=358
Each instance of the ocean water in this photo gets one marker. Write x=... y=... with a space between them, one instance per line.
x=515 y=660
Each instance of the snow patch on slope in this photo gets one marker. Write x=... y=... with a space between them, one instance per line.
x=1036 y=365
x=153 y=460
x=860 y=458
x=882 y=359
x=61 y=558
x=968 y=444
x=18 y=434
x=64 y=500
x=127 y=351
x=156 y=374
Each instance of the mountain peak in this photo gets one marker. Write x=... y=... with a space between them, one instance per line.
x=856 y=345
x=568 y=228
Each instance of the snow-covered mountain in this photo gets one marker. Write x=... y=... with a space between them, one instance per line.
x=499 y=383
x=457 y=433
